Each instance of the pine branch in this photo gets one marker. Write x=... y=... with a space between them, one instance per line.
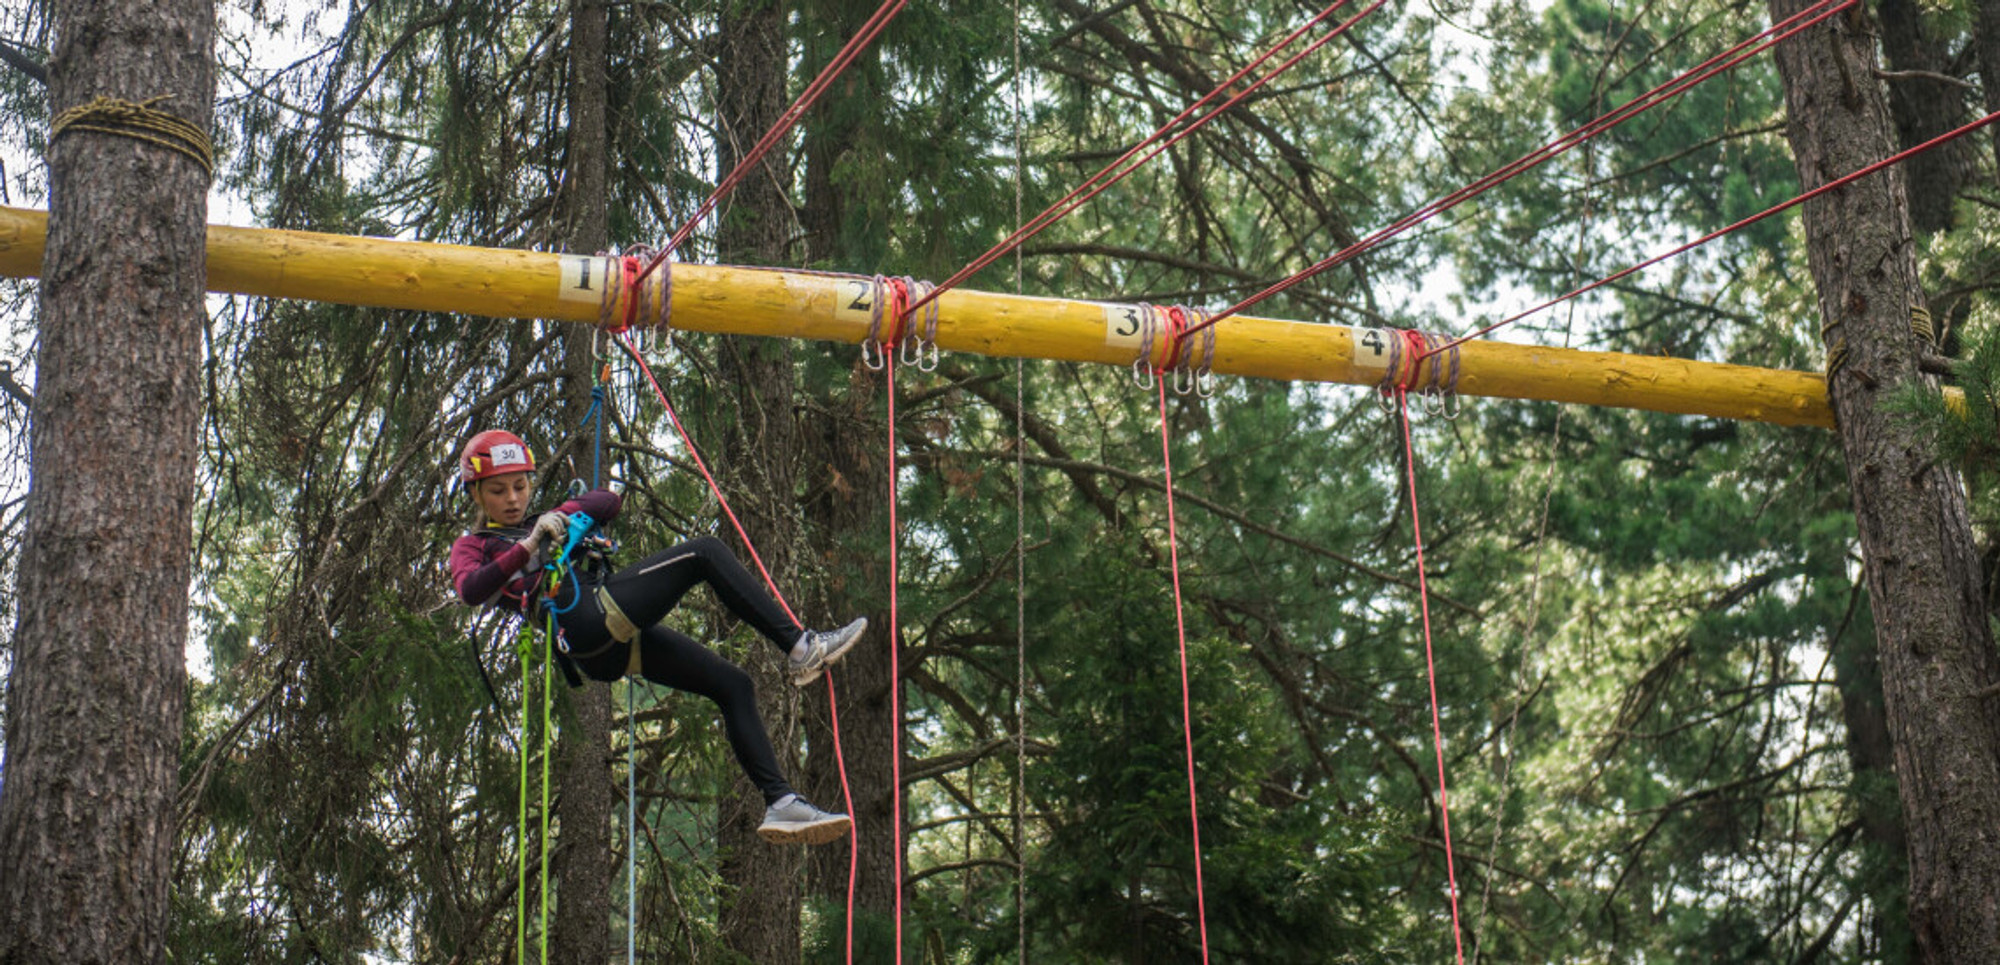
x=16 y=56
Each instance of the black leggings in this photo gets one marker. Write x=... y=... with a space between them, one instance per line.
x=646 y=591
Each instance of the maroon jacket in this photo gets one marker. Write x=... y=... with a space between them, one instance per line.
x=491 y=567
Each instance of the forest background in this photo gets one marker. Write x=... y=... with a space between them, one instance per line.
x=1663 y=728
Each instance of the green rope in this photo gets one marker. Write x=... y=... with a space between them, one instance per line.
x=524 y=647
x=548 y=699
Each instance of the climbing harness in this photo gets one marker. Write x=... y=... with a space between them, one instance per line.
x=491 y=453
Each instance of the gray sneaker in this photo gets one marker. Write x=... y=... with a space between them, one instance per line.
x=820 y=649
x=794 y=820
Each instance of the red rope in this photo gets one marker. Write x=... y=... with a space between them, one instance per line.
x=870 y=29
x=1103 y=179
x=1840 y=182
x=1726 y=60
x=628 y=270
x=895 y=648
x=832 y=701
x=1178 y=320
x=1430 y=661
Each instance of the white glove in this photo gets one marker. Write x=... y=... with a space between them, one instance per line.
x=551 y=529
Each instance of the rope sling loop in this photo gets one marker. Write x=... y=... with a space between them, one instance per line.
x=651 y=304
x=1436 y=384
x=1189 y=363
x=140 y=121
x=891 y=299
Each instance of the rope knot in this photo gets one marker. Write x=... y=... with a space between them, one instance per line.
x=629 y=298
x=892 y=299
x=1190 y=364
x=1423 y=363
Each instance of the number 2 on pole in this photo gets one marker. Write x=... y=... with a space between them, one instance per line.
x=854 y=300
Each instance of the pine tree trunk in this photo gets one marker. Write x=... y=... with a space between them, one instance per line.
x=583 y=865
x=99 y=677
x=851 y=444
x=1935 y=647
x=760 y=915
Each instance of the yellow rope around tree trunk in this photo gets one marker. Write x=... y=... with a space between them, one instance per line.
x=138 y=120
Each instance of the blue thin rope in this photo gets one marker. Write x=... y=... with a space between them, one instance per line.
x=595 y=419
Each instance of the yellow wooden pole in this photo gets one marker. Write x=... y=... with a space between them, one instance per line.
x=744 y=301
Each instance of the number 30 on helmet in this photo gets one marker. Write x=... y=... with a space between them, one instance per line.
x=494 y=452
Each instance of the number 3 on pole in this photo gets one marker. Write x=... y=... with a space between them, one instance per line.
x=1123 y=326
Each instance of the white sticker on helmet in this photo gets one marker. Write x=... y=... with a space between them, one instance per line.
x=509 y=454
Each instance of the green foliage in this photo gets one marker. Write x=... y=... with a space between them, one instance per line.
x=1964 y=429
x=1653 y=657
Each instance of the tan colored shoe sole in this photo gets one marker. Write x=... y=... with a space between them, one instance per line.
x=810 y=834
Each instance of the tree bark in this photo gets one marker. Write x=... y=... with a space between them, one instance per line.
x=850 y=442
x=1923 y=108
x=1932 y=638
x=99 y=679
x=1986 y=38
x=760 y=914
x=584 y=869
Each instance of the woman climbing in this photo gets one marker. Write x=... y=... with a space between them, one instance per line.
x=611 y=623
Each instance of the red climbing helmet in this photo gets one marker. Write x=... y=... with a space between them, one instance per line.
x=494 y=452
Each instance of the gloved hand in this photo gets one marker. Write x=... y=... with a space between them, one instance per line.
x=551 y=530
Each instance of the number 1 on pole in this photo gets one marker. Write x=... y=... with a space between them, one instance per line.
x=583 y=278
